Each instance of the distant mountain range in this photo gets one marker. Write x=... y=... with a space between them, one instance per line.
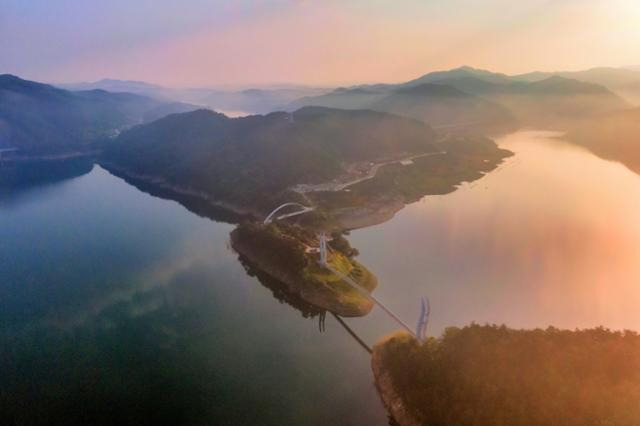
x=41 y=119
x=113 y=85
x=623 y=81
x=501 y=105
x=233 y=102
x=444 y=107
x=614 y=136
x=609 y=77
x=487 y=100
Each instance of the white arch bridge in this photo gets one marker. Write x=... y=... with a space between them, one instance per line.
x=272 y=216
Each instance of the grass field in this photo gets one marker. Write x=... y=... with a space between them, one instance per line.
x=343 y=291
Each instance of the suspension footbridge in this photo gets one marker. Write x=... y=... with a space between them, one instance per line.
x=420 y=331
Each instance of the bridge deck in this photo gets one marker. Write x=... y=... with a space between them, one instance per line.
x=323 y=262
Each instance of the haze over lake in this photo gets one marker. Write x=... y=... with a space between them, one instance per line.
x=549 y=238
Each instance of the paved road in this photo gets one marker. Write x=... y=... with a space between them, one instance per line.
x=340 y=186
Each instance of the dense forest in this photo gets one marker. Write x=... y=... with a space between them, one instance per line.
x=490 y=375
x=280 y=245
x=462 y=159
x=250 y=161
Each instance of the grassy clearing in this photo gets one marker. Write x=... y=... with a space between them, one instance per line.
x=343 y=291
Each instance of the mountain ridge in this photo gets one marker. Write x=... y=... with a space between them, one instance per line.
x=38 y=118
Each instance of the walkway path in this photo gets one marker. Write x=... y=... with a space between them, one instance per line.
x=323 y=262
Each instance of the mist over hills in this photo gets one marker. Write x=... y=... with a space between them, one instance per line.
x=114 y=85
x=444 y=106
x=552 y=102
x=39 y=118
x=461 y=72
x=489 y=100
x=245 y=101
x=422 y=99
x=623 y=81
x=606 y=76
x=548 y=103
x=614 y=136
x=42 y=119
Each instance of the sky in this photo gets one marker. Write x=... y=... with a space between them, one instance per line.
x=207 y=43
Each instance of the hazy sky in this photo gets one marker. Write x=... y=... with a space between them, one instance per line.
x=215 y=42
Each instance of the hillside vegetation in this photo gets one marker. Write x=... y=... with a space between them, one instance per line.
x=612 y=136
x=40 y=119
x=489 y=375
x=251 y=161
x=279 y=250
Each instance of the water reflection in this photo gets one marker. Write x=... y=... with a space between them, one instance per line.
x=142 y=314
x=280 y=291
x=550 y=238
x=19 y=180
x=353 y=334
x=119 y=306
x=194 y=204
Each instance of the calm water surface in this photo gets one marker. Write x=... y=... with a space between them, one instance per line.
x=552 y=237
x=118 y=305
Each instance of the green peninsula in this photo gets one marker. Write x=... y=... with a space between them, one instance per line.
x=289 y=254
x=350 y=168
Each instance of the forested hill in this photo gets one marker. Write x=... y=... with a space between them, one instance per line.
x=489 y=375
x=613 y=136
x=248 y=161
x=37 y=118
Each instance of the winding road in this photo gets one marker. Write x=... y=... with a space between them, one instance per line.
x=371 y=173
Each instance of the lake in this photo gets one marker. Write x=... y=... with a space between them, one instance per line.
x=121 y=306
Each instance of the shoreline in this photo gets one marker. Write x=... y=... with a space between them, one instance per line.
x=311 y=293
x=349 y=218
x=384 y=384
x=352 y=218
x=159 y=187
x=45 y=158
